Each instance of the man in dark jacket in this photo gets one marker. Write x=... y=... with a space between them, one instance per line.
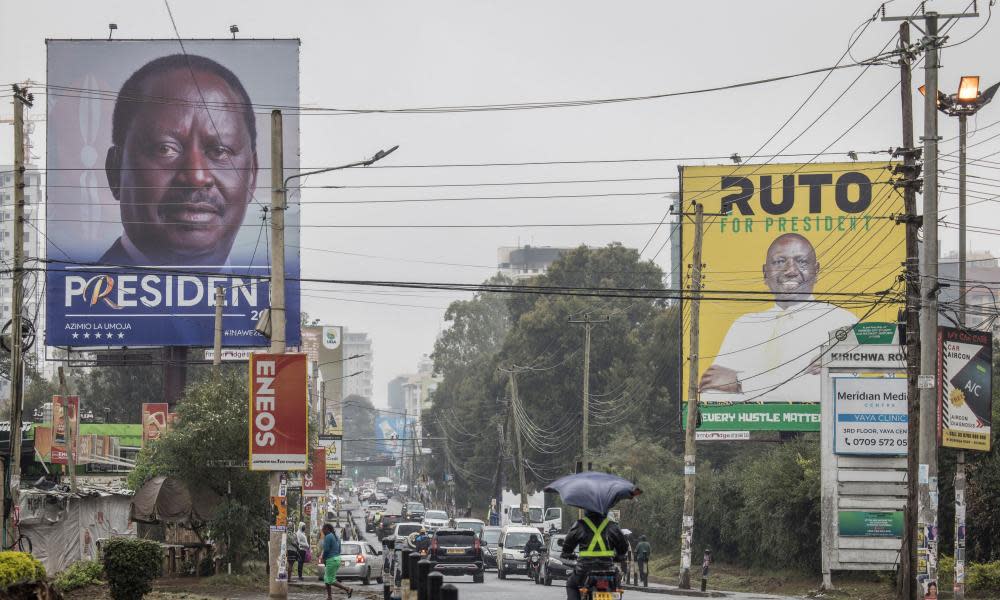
x=600 y=541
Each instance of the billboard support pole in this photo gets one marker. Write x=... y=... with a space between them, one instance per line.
x=21 y=99
x=906 y=588
x=687 y=522
x=70 y=433
x=277 y=588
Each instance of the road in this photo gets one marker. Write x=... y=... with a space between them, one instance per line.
x=520 y=588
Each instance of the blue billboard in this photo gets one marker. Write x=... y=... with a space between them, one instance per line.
x=391 y=433
x=158 y=187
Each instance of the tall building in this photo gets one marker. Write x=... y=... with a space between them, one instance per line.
x=357 y=343
x=397 y=400
x=33 y=281
x=525 y=262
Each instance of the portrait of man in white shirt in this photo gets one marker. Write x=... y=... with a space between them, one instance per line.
x=771 y=355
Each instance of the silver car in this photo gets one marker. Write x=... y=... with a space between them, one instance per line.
x=360 y=560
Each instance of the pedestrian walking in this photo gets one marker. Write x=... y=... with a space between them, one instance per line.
x=302 y=544
x=642 y=553
x=330 y=559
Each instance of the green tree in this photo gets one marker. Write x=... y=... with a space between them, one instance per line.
x=119 y=392
x=214 y=425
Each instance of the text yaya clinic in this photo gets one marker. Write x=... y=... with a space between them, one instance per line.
x=129 y=291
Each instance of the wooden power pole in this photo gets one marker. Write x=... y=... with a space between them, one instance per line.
x=520 y=451
x=690 y=453
x=588 y=325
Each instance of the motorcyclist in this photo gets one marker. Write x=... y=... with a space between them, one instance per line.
x=601 y=542
x=534 y=544
x=422 y=543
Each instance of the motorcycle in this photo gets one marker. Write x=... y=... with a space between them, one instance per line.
x=602 y=584
x=534 y=565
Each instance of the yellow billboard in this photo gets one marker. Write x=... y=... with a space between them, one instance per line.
x=790 y=252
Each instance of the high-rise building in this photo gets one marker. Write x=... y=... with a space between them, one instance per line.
x=34 y=281
x=359 y=344
x=982 y=293
x=397 y=400
x=525 y=262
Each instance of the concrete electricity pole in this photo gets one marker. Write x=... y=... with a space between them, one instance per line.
x=520 y=452
x=690 y=452
x=277 y=588
x=217 y=342
x=588 y=324
x=21 y=99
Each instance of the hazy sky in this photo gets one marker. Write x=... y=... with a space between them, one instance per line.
x=466 y=52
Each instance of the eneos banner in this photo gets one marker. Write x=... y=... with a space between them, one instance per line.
x=279 y=412
x=790 y=253
x=158 y=175
x=965 y=400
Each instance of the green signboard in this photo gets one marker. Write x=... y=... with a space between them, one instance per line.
x=875 y=333
x=772 y=416
x=861 y=523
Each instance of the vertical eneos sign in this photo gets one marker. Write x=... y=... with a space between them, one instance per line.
x=965 y=400
x=279 y=419
x=158 y=173
x=314 y=479
x=790 y=253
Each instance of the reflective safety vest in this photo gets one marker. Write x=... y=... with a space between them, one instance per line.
x=597 y=548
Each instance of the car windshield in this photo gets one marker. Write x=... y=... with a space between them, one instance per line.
x=415 y=507
x=534 y=514
x=517 y=539
x=554 y=543
x=350 y=548
x=491 y=536
x=407 y=529
x=473 y=525
x=436 y=514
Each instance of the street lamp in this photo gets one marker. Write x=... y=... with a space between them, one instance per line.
x=967 y=101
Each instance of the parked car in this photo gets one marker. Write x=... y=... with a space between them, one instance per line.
x=510 y=558
x=413 y=511
x=435 y=519
x=360 y=560
x=552 y=566
x=491 y=537
x=457 y=552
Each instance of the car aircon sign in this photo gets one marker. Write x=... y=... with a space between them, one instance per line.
x=279 y=436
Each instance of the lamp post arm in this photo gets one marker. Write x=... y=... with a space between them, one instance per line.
x=361 y=163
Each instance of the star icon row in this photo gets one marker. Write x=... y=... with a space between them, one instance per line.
x=108 y=336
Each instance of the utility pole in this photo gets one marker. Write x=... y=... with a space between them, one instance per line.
x=21 y=99
x=690 y=451
x=70 y=432
x=588 y=324
x=277 y=588
x=906 y=584
x=927 y=483
x=520 y=452
x=217 y=345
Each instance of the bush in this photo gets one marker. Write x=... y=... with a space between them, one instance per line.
x=984 y=577
x=79 y=574
x=130 y=564
x=19 y=567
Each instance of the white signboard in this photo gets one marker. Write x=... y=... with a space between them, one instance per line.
x=721 y=436
x=870 y=416
x=231 y=354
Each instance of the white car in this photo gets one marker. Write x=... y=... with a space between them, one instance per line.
x=435 y=519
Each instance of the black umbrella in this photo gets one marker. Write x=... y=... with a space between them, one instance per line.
x=593 y=491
